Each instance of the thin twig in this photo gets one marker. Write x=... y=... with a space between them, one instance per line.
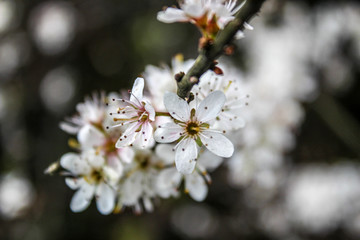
x=207 y=56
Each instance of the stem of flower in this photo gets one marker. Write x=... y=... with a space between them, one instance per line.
x=209 y=54
x=166 y=114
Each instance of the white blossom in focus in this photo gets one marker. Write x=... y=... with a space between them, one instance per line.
x=230 y=117
x=190 y=127
x=137 y=114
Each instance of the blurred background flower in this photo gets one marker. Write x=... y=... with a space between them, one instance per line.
x=295 y=174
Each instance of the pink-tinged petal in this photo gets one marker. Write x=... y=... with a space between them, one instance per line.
x=74 y=163
x=185 y=156
x=196 y=186
x=105 y=199
x=194 y=10
x=74 y=183
x=82 y=198
x=168 y=182
x=209 y=161
x=150 y=110
x=146 y=134
x=128 y=137
x=137 y=91
x=168 y=132
x=177 y=107
x=210 y=107
x=166 y=153
x=217 y=143
x=171 y=15
x=89 y=137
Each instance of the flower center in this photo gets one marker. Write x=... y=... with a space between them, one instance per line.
x=192 y=128
x=96 y=176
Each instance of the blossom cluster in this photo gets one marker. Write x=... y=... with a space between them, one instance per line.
x=131 y=150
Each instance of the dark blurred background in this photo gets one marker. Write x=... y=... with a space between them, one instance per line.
x=53 y=53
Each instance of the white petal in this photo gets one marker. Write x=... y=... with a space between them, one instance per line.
x=166 y=153
x=126 y=154
x=209 y=161
x=128 y=136
x=137 y=91
x=94 y=159
x=217 y=143
x=150 y=109
x=177 y=107
x=105 y=198
x=167 y=182
x=74 y=163
x=149 y=207
x=248 y=26
x=131 y=189
x=74 y=183
x=239 y=35
x=195 y=184
x=185 y=156
x=171 y=15
x=168 y=132
x=89 y=137
x=146 y=134
x=194 y=10
x=82 y=198
x=69 y=128
x=211 y=106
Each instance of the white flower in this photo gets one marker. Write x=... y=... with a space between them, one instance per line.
x=230 y=117
x=91 y=177
x=208 y=15
x=191 y=126
x=137 y=113
x=169 y=179
x=139 y=184
x=92 y=111
x=193 y=10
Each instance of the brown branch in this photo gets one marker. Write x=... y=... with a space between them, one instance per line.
x=207 y=56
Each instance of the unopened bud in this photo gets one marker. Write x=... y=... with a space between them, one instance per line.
x=229 y=49
x=179 y=76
